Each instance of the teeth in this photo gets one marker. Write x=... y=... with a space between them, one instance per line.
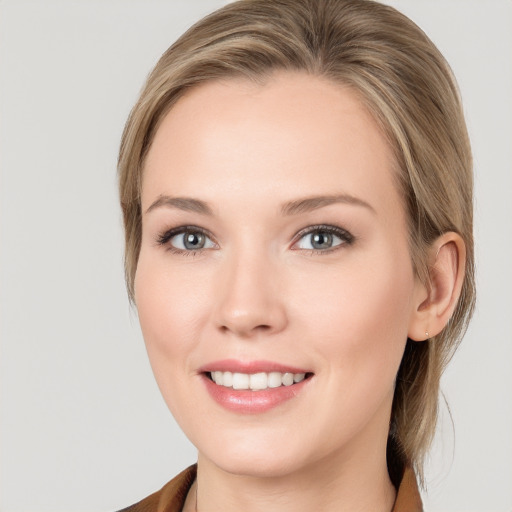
x=218 y=377
x=287 y=379
x=275 y=379
x=256 y=381
x=227 y=379
x=240 y=381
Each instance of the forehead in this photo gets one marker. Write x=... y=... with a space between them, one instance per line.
x=292 y=132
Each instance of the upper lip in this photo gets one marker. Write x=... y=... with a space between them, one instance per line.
x=235 y=366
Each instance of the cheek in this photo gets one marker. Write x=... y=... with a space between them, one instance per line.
x=171 y=308
x=361 y=313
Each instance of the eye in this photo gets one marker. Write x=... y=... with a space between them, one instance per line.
x=191 y=241
x=186 y=239
x=323 y=238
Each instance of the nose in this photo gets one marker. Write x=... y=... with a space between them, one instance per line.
x=251 y=298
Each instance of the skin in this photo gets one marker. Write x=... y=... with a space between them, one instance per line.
x=257 y=292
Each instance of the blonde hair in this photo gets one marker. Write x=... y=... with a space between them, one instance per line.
x=408 y=87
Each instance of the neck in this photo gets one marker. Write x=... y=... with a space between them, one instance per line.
x=337 y=483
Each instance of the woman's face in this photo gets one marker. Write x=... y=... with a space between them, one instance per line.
x=275 y=248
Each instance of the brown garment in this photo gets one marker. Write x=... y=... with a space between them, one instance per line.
x=171 y=497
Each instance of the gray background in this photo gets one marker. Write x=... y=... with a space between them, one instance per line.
x=83 y=427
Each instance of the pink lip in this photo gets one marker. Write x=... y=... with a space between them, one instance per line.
x=232 y=365
x=247 y=401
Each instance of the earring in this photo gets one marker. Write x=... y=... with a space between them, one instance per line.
x=426 y=334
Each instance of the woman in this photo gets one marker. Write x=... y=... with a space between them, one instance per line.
x=297 y=196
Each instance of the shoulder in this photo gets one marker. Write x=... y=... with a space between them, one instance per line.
x=170 y=498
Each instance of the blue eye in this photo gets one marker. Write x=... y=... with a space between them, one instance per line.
x=186 y=239
x=191 y=241
x=323 y=238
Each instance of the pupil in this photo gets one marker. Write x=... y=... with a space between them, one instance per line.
x=322 y=240
x=194 y=241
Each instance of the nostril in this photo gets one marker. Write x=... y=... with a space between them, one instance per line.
x=245 y=330
x=245 y=316
x=263 y=327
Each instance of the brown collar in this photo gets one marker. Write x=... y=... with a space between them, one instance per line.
x=408 y=497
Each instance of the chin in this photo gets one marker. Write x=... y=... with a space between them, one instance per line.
x=257 y=466
x=264 y=456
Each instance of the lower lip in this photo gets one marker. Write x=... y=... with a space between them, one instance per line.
x=252 y=402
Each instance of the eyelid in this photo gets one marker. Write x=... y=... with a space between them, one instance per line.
x=165 y=237
x=346 y=237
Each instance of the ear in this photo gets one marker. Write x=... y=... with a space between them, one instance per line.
x=435 y=301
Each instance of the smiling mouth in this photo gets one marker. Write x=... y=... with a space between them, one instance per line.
x=256 y=381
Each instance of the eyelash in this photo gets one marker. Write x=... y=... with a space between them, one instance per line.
x=164 y=239
x=346 y=238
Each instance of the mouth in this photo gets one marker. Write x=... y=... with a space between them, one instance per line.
x=260 y=381
x=253 y=387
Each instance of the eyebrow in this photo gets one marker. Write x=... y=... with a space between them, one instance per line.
x=294 y=207
x=308 y=204
x=186 y=204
